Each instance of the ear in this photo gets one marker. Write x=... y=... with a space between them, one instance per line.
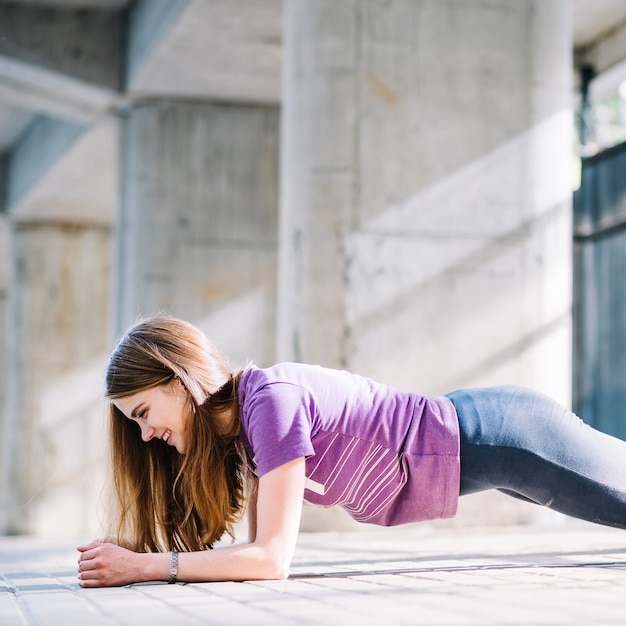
x=184 y=393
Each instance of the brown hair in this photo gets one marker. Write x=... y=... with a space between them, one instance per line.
x=165 y=500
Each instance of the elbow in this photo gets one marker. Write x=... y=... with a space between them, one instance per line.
x=277 y=569
x=282 y=572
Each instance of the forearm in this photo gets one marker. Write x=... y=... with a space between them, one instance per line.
x=248 y=561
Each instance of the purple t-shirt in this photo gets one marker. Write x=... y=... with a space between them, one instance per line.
x=386 y=457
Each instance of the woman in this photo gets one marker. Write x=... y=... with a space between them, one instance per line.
x=212 y=441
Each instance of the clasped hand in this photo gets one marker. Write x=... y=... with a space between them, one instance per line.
x=103 y=564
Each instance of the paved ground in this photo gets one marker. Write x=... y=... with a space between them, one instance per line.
x=420 y=575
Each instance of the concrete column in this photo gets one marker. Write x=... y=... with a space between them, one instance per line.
x=53 y=434
x=196 y=232
x=425 y=192
x=5 y=264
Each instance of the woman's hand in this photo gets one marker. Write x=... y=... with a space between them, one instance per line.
x=108 y=565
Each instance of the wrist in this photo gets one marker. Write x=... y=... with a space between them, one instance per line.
x=156 y=566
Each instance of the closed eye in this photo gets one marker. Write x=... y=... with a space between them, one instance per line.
x=140 y=411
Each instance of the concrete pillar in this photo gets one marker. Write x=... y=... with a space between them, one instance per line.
x=52 y=436
x=425 y=192
x=5 y=264
x=196 y=232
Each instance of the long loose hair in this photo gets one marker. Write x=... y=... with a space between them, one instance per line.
x=166 y=500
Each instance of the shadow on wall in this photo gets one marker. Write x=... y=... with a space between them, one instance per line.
x=73 y=427
x=467 y=278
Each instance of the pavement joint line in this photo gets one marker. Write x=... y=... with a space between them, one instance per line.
x=241 y=600
x=22 y=611
x=258 y=605
x=452 y=569
x=437 y=557
x=84 y=599
x=137 y=588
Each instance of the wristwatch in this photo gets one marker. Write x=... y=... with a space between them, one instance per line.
x=173 y=567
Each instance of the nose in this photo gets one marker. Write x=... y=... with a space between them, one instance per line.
x=147 y=432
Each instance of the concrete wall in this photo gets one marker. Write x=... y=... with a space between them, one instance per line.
x=425 y=192
x=53 y=436
x=426 y=197
x=195 y=236
x=424 y=227
x=196 y=230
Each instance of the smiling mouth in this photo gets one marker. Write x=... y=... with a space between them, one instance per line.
x=166 y=435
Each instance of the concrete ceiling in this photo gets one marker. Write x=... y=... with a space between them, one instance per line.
x=220 y=49
x=593 y=19
x=239 y=42
x=228 y=49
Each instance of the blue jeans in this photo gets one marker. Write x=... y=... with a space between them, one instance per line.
x=527 y=445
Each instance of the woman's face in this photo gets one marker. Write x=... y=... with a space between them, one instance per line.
x=161 y=412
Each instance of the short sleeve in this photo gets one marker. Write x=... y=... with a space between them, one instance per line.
x=277 y=420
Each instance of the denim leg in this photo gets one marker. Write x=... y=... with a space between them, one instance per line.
x=527 y=445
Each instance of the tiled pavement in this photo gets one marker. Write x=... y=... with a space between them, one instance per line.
x=417 y=575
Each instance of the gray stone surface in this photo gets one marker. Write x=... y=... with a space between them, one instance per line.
x=425 y=192
x=51 y=435
x=87 y=45
x=196 y=228
x=415 y=575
